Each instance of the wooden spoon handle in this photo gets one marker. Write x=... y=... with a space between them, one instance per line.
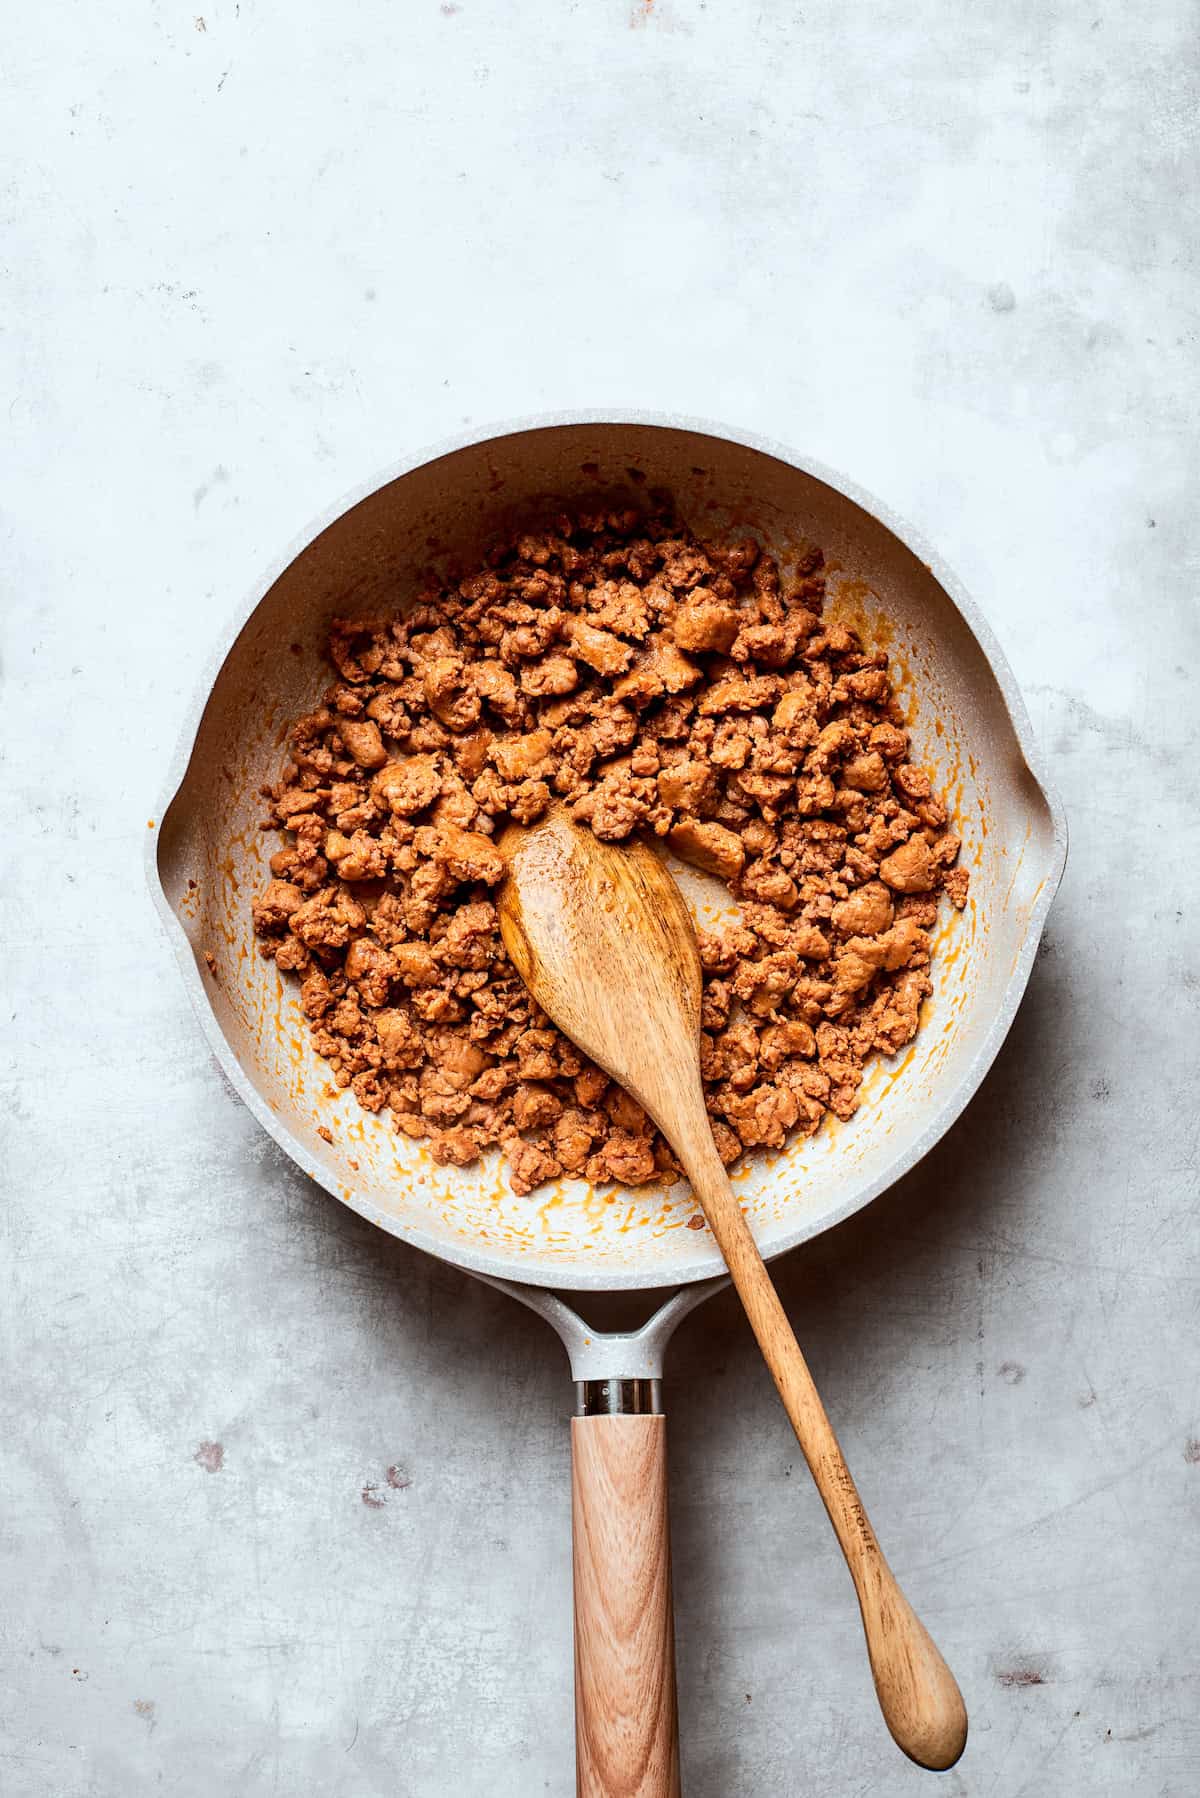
x=626 y=1729
x=918 y=1696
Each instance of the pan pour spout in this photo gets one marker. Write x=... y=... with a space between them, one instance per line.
x=602 y=938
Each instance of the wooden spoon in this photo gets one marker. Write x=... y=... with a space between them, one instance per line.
x=602 y=937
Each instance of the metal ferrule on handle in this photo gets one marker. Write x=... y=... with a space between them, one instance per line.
x=618 y=1398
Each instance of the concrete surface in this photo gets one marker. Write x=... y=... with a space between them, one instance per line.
x=254 y=252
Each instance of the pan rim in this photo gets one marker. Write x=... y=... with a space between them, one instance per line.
x=577 y=1277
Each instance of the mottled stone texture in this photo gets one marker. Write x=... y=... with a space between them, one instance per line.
x=285 y=1507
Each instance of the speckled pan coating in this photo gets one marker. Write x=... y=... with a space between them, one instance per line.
x=207 y=856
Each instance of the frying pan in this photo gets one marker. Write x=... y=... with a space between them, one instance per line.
x=207 y=859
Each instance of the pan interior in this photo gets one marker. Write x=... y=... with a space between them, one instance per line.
x=212 y=857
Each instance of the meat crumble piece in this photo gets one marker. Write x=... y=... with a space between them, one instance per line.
x=601 y=650
x=864 y=912
x=659 y=685
x=363 y=742
x=408 y=786
x=956 y=881
x=688 y=787
x=704 y=622
x=274 y=907
x=910 y=868
x=709 y=846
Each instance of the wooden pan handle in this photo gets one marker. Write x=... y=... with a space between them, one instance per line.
x=626 y=1729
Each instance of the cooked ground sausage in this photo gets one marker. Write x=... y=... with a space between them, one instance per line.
x=656 y=684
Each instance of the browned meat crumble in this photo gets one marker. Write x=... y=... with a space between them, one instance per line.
x=657 y=684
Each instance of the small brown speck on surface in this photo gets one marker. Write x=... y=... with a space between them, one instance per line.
x=145 y=1708
x=1020 y=1677
x=354 y=1165
x=372 y=1497
x=297 y=649
x=1011 y=1372
x=696 y=1223
x=1191 y=1452
x=210 y=1456
x=324 y=1133
x=397 y=1479
x=211 y=962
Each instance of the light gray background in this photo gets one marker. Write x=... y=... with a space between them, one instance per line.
x=254 y=252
